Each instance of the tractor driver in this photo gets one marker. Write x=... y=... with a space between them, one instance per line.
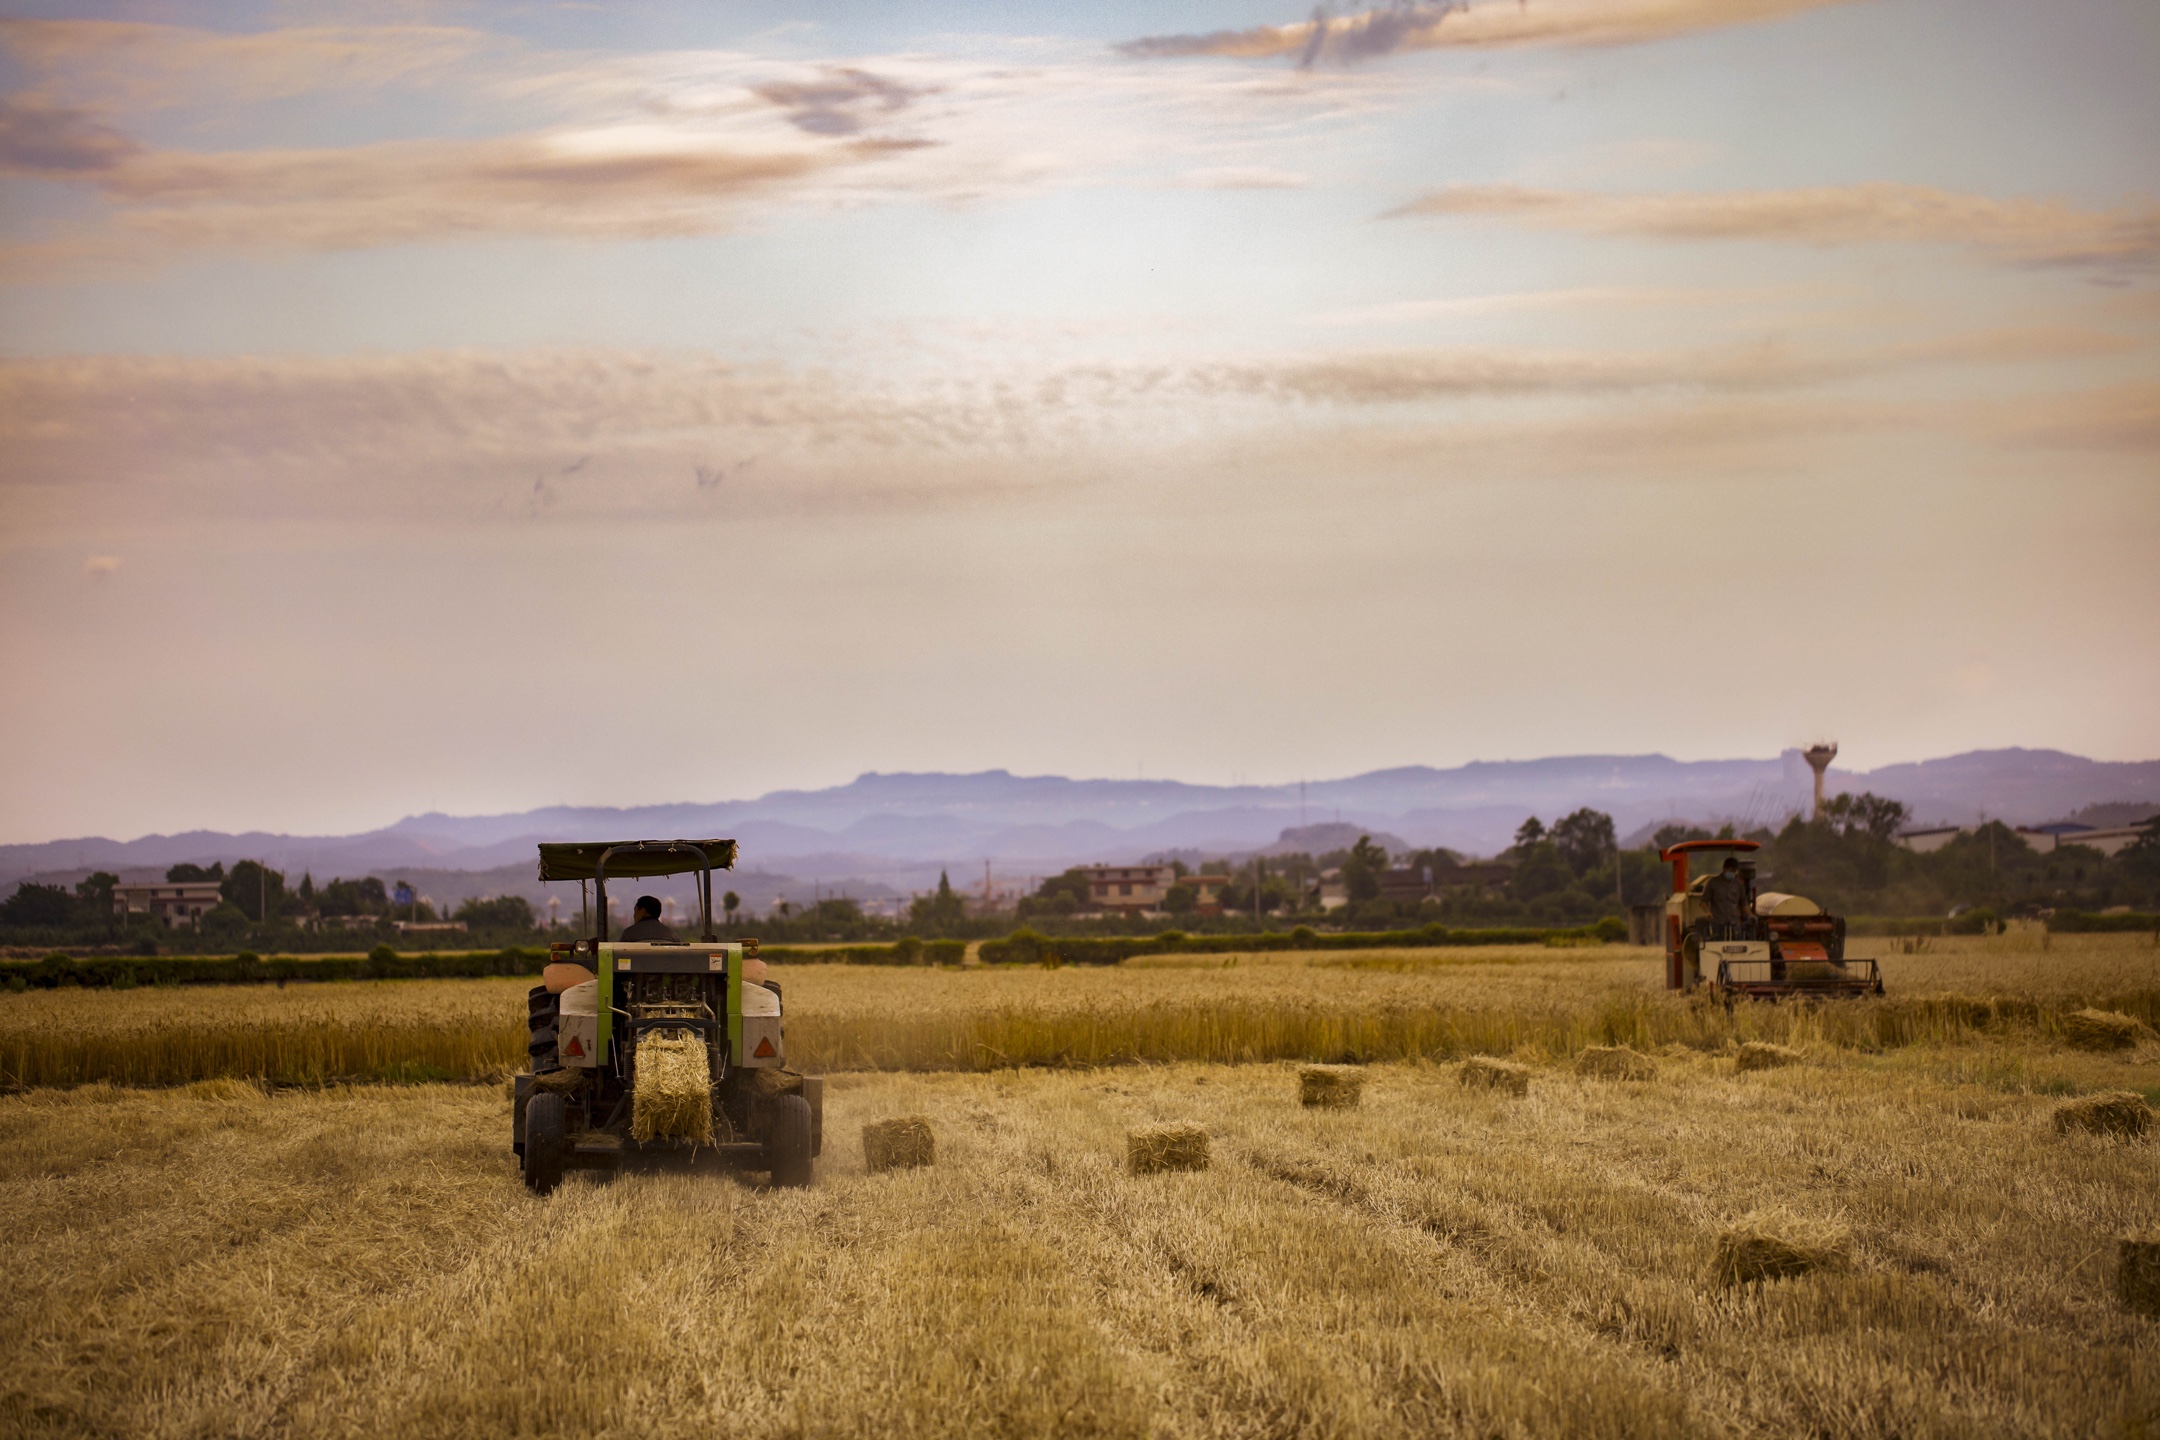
x=1724 y=897
x=645 y=922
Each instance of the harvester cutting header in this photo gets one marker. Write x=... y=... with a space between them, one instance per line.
x=658 y=1047
x=1763 y=944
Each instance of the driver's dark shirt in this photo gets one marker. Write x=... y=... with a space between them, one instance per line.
x=647 y=930
x=1723 y=896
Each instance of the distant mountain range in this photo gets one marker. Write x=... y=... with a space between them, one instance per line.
x=887 y=834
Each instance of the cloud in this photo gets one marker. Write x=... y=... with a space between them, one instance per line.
x=39 y=137
x=1430 y=26
x=1583 y=297
x=841 y=100
x=1243 y=177
x=2042 y=232
x=620 y=182
x=97 y=567
x=142 y=64
x=480 y=434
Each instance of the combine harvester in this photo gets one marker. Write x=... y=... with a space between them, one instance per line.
x=668 y=1050
x=1765 y=945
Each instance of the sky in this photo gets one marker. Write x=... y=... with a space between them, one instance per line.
x=476 y=406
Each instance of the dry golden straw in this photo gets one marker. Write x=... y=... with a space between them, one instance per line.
x=2101 y=1029
x=898 y=1144
x=2111 y=1112
x=1154 y=1148
x=674 y=1089
x=2137 y=1274
x=1333 y=1087
x=1483 y=1072
x=1777 y=1245
x=1761 y=1055
x=1615 y=1062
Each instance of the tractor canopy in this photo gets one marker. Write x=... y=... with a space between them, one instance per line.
x=580 y=860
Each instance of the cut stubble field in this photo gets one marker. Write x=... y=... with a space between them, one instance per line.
x=224 y=1258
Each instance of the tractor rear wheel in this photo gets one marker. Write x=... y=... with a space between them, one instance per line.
x=543 y=1009
x=787 y=1140
x=547 y=1141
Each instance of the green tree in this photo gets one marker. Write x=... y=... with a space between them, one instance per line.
x=940 y=913
x=1181 y=900
x=94 y=898
x=255 y=889
x=185 y=871
x=35 y=904
x=501 y=912
x=1865 y=814
x=730 y=903
x=1539 y=871
x=1361 y=872
x=1529 y=832
x=1586 y=840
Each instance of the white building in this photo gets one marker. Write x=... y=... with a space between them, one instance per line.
x=178 y=903
x=2111 y=841
x=1129 y=887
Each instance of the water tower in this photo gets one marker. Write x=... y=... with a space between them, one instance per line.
x=1818 y=758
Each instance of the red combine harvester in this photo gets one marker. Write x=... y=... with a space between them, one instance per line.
x=1763 y=945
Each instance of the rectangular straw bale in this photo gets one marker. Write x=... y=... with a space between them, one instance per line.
x=2137 y=1273
x=1615 y=1062
x=2091 y=1029
x=2111 y=1112
x=1330 y=1086
x=1484 y=1072
x=673 y=1098
x=1153 y=1148
x=1777 y=1245
x=1762 y=1055
x=901 y=1143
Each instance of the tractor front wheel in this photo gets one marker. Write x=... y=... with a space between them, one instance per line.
x=787 y=1140
x=547 y=1141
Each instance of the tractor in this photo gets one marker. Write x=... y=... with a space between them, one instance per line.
x=1764 y=944
x=667 y=1051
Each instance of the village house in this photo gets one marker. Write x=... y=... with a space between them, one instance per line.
x=1130 y=888
x=176 y=903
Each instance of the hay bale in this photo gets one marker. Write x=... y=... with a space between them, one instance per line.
x=2111 y=1112
x=2091 y=1029
x=1778 y=1245
x=1615 y=1062
x=2137 y=1274
x=1333 y=1087
x=1154 y=1148
x=1482 y=1072
x=898 y=1144
x=1762 y=1055
x=673 y=1098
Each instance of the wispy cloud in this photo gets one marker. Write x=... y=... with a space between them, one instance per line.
x=841 y=100
x=1243 y=177
x=1415 y=26
x=466 y=433
x=2045 y=232
x=150 y=65
x=39 y=137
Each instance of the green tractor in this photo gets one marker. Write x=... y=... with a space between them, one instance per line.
x=658 y=1050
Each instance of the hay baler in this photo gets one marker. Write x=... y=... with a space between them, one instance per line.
x=1774 y=945
x=587 y=1103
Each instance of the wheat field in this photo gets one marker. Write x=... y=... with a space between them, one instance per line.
x=219 y=1259
x=1381 y=1005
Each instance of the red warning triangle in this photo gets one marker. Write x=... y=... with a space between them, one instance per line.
x=575 y=1047
x=764 y=1049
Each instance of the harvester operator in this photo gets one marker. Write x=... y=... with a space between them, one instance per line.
x=1724 y=897
x=645 y=922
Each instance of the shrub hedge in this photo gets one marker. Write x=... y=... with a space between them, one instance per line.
x=123 y=972
x=1026 y=947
